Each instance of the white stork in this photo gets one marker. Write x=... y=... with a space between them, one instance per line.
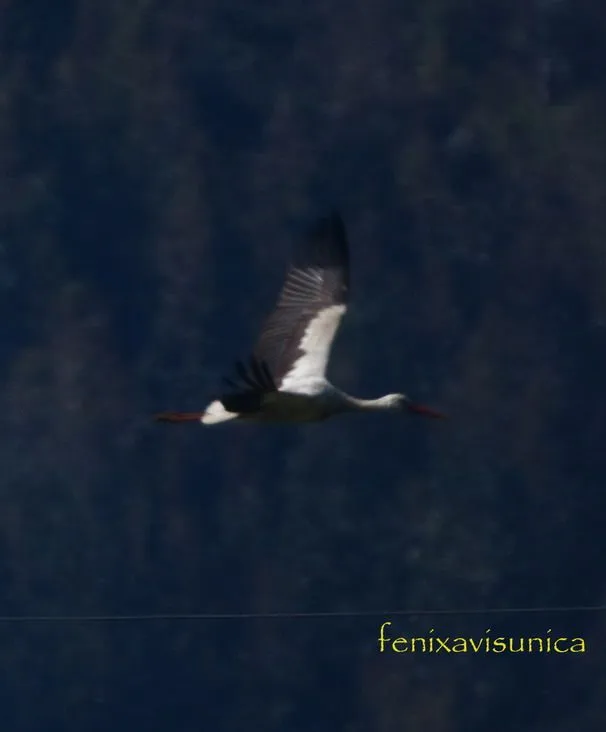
x=285 y=379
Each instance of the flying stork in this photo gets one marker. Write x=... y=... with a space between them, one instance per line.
x=284 y=380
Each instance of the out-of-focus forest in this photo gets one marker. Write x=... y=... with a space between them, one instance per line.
x=157 y=161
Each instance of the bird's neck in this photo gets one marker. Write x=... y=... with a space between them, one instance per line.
x=382 y=404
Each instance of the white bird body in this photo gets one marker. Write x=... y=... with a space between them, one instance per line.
x=312 y=402
x=285 y=381
x=280 y=406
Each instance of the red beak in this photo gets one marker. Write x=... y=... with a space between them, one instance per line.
x=178 y=417
x=425 y=411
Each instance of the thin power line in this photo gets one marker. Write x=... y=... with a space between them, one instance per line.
x=289 y=615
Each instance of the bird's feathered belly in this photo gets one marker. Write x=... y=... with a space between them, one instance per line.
x=289 y=407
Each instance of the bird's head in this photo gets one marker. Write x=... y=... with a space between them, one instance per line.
x=403 y=403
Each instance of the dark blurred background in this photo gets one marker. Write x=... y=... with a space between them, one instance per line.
x=157 y=161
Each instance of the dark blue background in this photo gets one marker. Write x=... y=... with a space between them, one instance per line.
x=157 y=161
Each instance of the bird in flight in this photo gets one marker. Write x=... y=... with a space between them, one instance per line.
x=284 y=380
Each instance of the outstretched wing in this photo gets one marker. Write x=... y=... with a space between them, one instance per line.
x=296 y=338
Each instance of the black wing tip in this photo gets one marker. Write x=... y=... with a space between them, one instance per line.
x=246 y=402
x=331 y=224
x=326 y=243
x=252 y=382
x=255 y=376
